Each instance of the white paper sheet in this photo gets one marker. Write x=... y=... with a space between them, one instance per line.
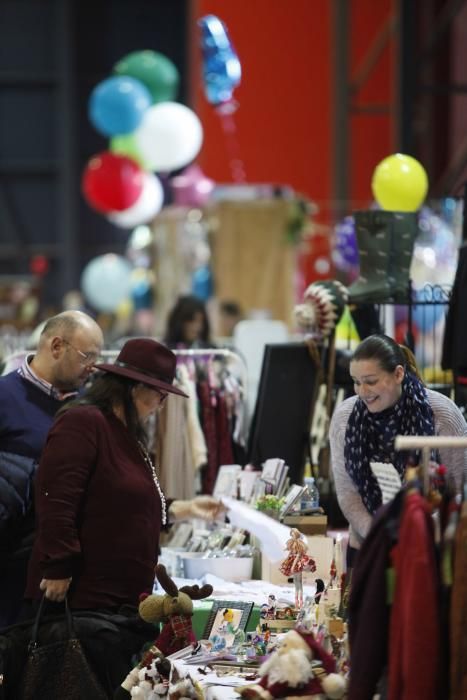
x=270 y=533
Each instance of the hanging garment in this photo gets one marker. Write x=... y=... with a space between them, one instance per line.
x=414 y=638
x=198 y=447
x=173 y=451
x=369 y=609
x=216 y=431
x=459 y=612
x=455 y=334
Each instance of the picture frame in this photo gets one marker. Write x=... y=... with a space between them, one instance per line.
x=292 y=496
x=225 y=618
x=227 y=481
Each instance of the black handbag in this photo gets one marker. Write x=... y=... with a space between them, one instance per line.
x=58 y=669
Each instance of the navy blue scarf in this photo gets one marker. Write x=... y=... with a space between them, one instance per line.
x=369 y=437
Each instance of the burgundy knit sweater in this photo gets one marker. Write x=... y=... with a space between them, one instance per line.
x=98 y=512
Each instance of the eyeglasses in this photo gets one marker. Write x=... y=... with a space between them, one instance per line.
x=162 y=395
x=87 y=358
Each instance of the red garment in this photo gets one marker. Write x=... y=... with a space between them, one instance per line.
x=98 y=512
x=459 y=612
x=414 y=638
x=214 y=420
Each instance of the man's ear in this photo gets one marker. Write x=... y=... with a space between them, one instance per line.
x=56 y=345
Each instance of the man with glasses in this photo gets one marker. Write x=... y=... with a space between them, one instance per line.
x=69 y=345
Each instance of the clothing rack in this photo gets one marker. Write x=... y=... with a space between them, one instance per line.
x=217 y=352
x=426 y=443
x=201 y=352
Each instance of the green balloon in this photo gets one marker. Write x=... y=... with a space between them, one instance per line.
x=125 y=145
x=153 y=69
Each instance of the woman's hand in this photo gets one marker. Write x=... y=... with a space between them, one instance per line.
x=55 y=589
x=204 y=507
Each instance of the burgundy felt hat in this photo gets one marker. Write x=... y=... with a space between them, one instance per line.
x=147 y=361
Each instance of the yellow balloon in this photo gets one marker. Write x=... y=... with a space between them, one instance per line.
x=399 y=183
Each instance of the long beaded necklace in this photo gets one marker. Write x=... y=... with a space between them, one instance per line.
x=152 y=469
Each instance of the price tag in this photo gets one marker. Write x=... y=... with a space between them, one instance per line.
x=388 y=479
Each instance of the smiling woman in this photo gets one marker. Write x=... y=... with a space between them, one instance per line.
x=390 y=400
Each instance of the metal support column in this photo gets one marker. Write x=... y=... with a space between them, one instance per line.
x=68 y=186
x=340 y=82
x=406 y=78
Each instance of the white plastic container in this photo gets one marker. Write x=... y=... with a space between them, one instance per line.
x=235 y=569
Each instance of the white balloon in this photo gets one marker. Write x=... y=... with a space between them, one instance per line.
x=169 y=137
x=148 y=204
x=106 y=281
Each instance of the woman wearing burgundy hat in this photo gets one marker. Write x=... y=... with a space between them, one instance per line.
x=99 y=504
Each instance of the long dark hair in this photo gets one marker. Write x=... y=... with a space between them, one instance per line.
x=107 y=391
x=387 y=353
x=185 y=310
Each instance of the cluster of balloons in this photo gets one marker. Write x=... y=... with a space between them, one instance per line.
x=399 y=183
x=149 y=133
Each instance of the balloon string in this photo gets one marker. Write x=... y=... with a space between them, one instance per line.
x=229 y=127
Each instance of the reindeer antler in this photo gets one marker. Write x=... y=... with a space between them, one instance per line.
x=166 y=582
x=196 y=593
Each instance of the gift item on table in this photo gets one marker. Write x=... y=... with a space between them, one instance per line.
x=299 y=667
x=174 y=609
x=296 y=562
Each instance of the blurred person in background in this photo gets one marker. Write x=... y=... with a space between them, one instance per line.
x=188 y=324
x=230 y=313
x=68 y=346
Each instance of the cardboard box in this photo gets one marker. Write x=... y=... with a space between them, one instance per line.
x=308 y=524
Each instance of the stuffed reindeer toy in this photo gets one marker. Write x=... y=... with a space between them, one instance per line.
x=149 y=679
x=175 y=609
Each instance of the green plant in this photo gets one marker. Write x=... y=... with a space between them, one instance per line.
x=269 y=503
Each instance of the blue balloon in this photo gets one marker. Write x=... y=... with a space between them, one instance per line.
x=221 y=67
x=426 y=316
x=106 y=281
x=202 y=284
x=142 y=295
x=117 y=105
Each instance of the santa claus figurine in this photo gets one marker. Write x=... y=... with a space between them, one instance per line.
x=292 y=671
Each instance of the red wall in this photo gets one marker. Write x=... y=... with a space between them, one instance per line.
x=283 y=119
x=284 y=123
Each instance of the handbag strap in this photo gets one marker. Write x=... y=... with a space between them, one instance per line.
x=33 y=644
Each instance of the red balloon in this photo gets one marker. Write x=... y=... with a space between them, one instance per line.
x=39 y=265
x=112 y=182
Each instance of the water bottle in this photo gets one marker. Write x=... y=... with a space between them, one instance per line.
x=310 y=498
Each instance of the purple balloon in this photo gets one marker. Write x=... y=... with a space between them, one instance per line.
x=191 y=188
x=345 y=254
